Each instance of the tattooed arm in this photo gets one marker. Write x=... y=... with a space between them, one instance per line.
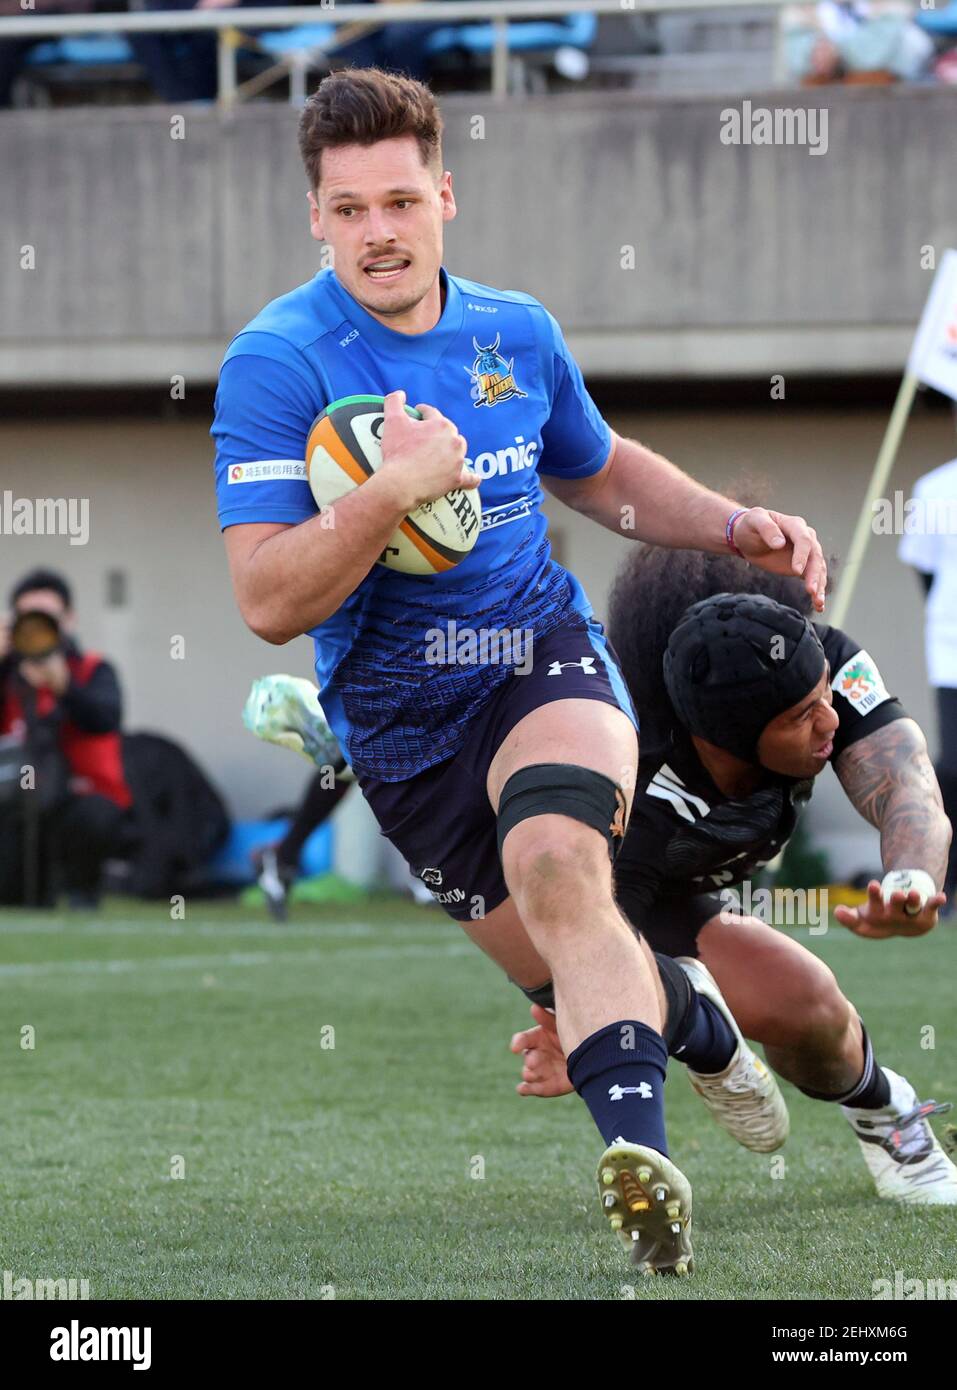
x=889 y=779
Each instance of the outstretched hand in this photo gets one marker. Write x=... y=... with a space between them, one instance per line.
x=878 y=920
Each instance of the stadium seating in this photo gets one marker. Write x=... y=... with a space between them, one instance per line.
x=942 y=22
x=688 y=52
x=577 y=31
x=301 y=39
x=533 y=46
x=707 y=51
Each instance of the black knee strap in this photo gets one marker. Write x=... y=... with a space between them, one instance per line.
x=679 y=996
x=563 y=789
x=540 y=994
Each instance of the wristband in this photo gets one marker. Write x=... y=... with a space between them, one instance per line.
x=729 y=530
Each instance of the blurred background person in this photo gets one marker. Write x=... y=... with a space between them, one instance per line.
x=931 y=549
x=277 y=865
x=60 y=714
x=182 y=66
x=14 y=52
x=867 y=40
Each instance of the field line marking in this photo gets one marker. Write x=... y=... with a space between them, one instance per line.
x=197 y=927
x=30 y=969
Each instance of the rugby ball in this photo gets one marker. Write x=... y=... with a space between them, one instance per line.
x=905 y=881
x=344 y=449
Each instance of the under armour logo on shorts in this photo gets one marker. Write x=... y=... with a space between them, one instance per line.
x=587 y=664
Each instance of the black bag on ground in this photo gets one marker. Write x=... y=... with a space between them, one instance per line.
x=180 y=819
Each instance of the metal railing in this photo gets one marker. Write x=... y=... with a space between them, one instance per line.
x=230 y=24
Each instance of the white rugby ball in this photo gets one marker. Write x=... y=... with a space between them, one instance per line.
x=344 y=449
x=905 y=881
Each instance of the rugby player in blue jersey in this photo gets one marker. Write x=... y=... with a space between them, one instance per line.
x=508 y=793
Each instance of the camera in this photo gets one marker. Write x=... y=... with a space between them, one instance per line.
x=35 y=635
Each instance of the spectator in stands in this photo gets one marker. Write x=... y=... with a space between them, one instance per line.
x=855 y=40
x=64 y=800
x=182 y=67
x=13 y=52
x=932 y=551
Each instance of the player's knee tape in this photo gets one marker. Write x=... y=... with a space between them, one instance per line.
x=563 y=789
x=543 y=995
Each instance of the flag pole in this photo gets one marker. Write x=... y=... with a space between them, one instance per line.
x=883 y=465
x=933 y=361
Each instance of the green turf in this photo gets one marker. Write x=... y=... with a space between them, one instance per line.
x=311 y=1169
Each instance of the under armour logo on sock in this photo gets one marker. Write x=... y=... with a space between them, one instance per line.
x=616 y=1092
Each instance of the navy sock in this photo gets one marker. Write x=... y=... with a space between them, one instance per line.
x=619 y=1072
x=871 y=1092
x=707 y=1043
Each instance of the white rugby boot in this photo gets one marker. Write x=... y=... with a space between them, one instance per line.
x=286 y=710
x=647 y=1201
x=901 y=1150
x=744 y=1099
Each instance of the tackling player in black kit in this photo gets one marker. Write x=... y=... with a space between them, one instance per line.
x=743 y=702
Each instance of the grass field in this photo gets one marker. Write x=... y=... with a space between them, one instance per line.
x=312 y=1170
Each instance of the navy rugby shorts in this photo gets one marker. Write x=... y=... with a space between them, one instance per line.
x=441 y=820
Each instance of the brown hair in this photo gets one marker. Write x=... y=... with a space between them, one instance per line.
x=361 y=106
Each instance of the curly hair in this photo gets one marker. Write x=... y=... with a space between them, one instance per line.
x=654 y=587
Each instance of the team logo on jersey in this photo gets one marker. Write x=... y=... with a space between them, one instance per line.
x=859 y=681
x=492 y=377
x=666 y=785
x=506 y=512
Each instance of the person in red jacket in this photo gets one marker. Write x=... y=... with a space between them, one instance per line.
x=60 y=713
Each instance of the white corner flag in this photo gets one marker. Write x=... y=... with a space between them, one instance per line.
x=933 y=357
x=933 y=361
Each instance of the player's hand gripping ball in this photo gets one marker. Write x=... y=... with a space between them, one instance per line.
x=344 y=450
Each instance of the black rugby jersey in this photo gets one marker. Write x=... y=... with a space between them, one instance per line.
x=685 y=837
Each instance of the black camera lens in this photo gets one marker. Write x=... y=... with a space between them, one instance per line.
x=35 y=635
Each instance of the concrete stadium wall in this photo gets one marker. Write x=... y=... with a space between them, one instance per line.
x=152 y=517
x=151 y=251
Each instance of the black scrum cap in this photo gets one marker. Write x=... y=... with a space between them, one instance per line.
x=735 y=662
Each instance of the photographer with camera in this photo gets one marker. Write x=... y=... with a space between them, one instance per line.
x=64 y=800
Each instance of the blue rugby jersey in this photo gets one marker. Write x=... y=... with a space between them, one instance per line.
x=497 y=365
